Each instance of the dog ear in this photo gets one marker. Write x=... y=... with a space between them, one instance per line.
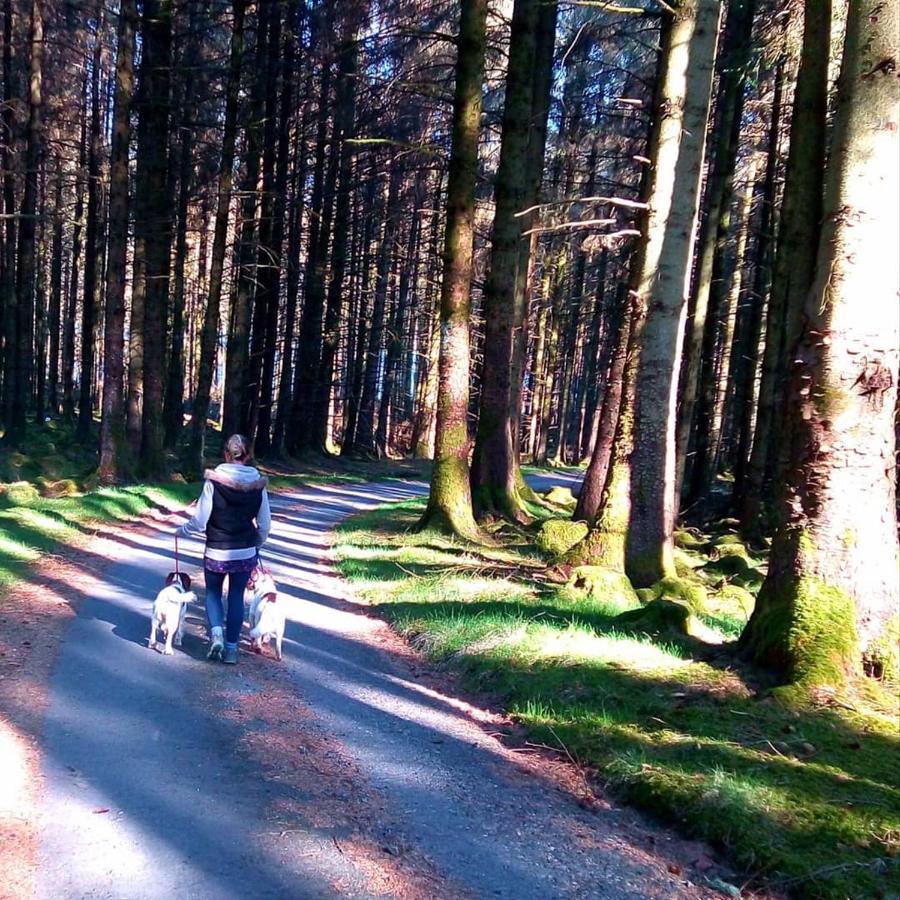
x=181 y=578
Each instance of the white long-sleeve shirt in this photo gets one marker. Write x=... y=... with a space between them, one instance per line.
x=232 y=474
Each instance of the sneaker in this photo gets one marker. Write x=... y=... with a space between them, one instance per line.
x=216 y=644
x=230 y=658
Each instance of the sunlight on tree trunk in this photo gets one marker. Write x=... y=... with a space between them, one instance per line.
x=832 y=583
x=663 y=283
x=450 y=501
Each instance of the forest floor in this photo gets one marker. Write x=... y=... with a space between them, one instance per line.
x=801 y=800
x=348 y=770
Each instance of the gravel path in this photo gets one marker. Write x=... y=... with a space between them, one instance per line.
x=334 y=774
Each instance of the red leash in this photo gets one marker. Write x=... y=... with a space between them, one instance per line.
x=177 y=570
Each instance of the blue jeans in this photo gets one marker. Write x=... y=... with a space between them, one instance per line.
x=215 y=613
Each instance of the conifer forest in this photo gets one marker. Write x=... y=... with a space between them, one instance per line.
x=653 y=241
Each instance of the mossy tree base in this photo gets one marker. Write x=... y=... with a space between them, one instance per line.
x=496 y=501
x=805 y=631
x=659 y=617
x=599 y=548
x=449 y=508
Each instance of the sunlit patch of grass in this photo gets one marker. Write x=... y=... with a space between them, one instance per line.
x=807 y=800
x=45 y=525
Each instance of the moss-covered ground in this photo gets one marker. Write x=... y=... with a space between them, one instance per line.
x=804 y=800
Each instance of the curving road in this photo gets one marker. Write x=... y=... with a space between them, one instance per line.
x=335 y=774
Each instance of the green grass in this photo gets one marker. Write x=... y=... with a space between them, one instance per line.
x=34 y=522
x=45 y=525
x=807 y=801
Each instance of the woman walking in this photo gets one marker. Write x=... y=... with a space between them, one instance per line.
x=233 y=515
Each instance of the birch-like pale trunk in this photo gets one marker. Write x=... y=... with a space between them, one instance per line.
x=662 y=285
x=832 y=584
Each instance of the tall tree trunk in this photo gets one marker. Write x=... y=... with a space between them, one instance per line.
x=721 y=379
x=801 y=217
x=541 y=87
x=209 y=336
x=114 y=462
x=450 y=501
x=495 y=476
x=350 y=443
x=237 y=357
x=25 y=271
x=302 y=438
x=394 y=345
x=268 y=272
x=832 y=582
x=598 y=469
x=366 y=429
x=344 y=124
x=663 y=284
x=40 y=310
x=750 y=328
x=173 y=417
x=292 y=262
x=92 y=244
x=157 y=64
x=598 y=352
x=263 y=429
x=707 y=290
x=8 y=284
x=54 y=315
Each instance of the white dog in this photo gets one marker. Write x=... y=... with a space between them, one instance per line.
x=169 y=609
x=266 y=612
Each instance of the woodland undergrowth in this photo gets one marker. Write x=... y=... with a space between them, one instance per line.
x=657 y=707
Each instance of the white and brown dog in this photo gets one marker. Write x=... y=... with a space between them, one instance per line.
x=169 y=609
x=266 y=612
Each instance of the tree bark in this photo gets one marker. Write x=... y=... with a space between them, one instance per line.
x=301 y=438
x=292 y=261
x=366 y=429
x=721 y=379
x=91 y=244
x=450 y=502
x=662 y=285
x=54 y=316
x=209 y=336
x=832 y=585
x=25 y=271
x=707 y=289
x=344 y=124
x=114 y=462
x=174 y=391
x=156 y=66
x=801 y=218
x=267 y=267
x=750 y=328
x=237 y=356
x=494 y=469
x=595 y=476
x=9 y=208
x=263 y=430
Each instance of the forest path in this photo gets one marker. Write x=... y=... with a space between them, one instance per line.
x=334 y=774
